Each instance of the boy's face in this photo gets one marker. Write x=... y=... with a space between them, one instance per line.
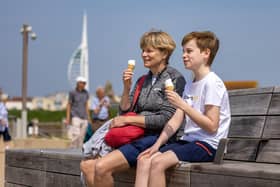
x=193 y=58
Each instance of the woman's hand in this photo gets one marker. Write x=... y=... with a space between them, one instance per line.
x=127 y=78
x=175 y=99
x=118 y=122
x=149 y=152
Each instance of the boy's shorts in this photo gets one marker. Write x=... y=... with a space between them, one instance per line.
x=132 y=150
x=197 y=151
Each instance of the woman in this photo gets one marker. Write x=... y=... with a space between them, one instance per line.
x=152 y=107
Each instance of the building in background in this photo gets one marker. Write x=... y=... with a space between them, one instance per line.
x=53 y=102
x=78 y=65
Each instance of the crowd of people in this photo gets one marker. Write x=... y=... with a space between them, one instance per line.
x=201 y=105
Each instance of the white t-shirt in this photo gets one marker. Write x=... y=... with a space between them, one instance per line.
x=208 y=91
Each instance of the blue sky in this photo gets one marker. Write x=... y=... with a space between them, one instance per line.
x=248 y=31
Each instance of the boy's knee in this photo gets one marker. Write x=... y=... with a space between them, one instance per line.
x=144 y=162
x=156 y=164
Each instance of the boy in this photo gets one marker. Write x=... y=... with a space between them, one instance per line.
x=205 y=106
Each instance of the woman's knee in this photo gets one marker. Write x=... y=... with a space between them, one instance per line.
x=101 y=168
x=87 y=166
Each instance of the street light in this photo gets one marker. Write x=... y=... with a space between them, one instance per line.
x=25 y=31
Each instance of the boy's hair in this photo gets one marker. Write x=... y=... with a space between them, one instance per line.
x=204 y=40
x=158 y=40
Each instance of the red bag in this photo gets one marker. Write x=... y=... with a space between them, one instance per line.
x=119 y=136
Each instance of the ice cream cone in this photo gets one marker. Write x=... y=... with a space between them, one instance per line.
x=131 y=65
x=169 y=85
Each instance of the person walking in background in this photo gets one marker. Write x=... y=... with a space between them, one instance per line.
x=4 y=123
x=77 y=113
x=100 y=108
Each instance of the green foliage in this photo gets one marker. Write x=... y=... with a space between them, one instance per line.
x=41 y=115
x=51 y=116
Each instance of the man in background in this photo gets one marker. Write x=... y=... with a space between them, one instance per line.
x=77 y=113
x=100 y=108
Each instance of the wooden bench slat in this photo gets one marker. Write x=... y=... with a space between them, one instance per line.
x=269 y=152
x=28 y=177
x=251 y=91
x=210 y=180
x=31 y=160
x=60 y=180
x=240 y=169
x=272 y=127
x=242 y=149
x=275 y=103
x=246 y=127
x=248 y=105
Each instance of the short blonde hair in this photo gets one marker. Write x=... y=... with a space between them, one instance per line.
x=204 y=40
x=158 y=40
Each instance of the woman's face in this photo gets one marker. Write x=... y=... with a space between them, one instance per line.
x=153 y=57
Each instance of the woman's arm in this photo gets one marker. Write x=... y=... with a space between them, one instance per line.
x=125 y=103
x=120 y=121
x=209 y=121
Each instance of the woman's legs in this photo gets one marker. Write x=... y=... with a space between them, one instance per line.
x=88 y=169
x=158 y=166
x=143 y=170
x=105 y=166
x=98 y=172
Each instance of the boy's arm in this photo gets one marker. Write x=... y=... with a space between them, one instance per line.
x=209 y=121
x=170 y=128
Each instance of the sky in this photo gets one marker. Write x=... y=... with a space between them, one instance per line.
x=248 y=31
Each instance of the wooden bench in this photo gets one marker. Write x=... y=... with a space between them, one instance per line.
x=252 y=158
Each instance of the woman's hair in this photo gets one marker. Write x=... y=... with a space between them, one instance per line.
x=204 y=40
x=158 y=40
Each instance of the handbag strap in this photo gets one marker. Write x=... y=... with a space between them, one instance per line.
x=138 y=90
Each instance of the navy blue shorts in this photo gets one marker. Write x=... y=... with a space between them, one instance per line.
x=197 y=151
x=132 y=150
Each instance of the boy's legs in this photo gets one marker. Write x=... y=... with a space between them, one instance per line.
x=158 y=166
x=143 y=170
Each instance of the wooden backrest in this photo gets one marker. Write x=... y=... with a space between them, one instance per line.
x=249 y=109
x=269 y=150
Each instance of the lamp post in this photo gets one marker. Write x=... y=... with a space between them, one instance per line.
x=25 y=31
